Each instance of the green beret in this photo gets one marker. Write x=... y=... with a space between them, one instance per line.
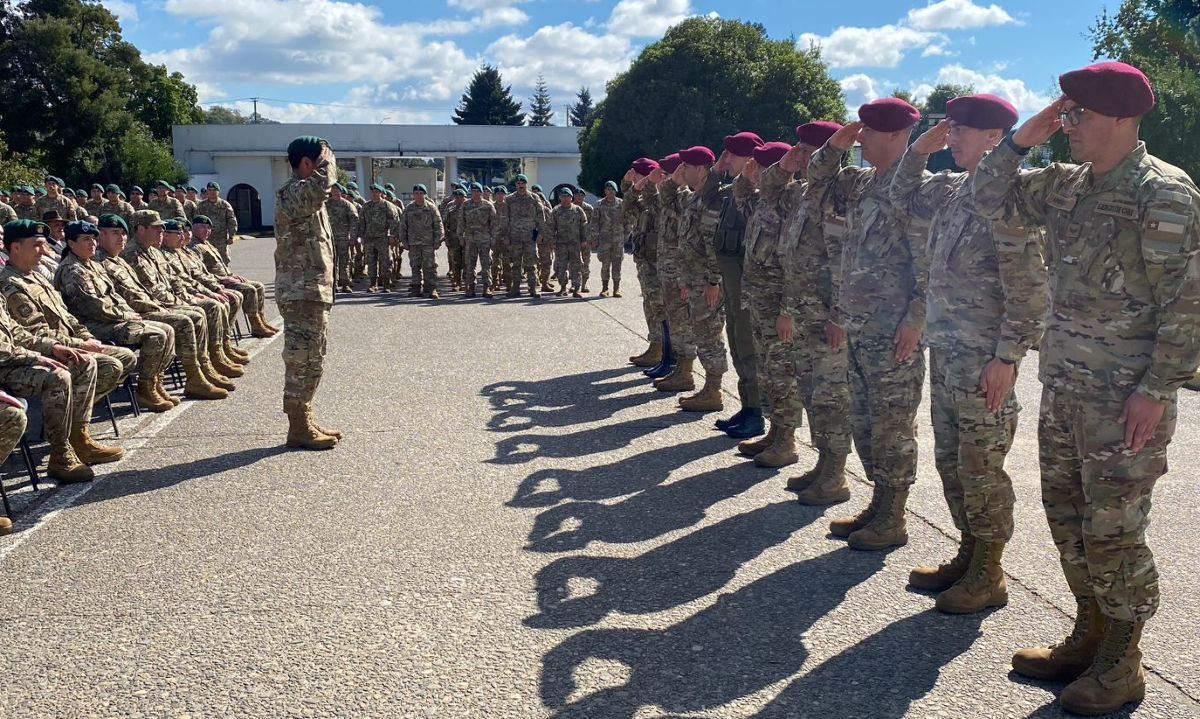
x=77 y=228
x=475 y=186
x=56 y=180
x=536 y=188
x=340 y=187
x=566 y=192
x=40 y=191
x=390 y=186
x=113 y=222
x=522 y=178
x=191 y=189
x=306 y=145
x=22 y=229
x=213 y=186
x=460 y=192
x=391 y=195
x=420 y=187
x=81 y=193
x=172 y=226
x=579 y=191
x=136 y=189
x=500 y=190
x=97 y=186
x=611 y=184
x=164 y=183
x=378 y=188
x=201 y=220
x=113 y=188
x=21 y=190
x=352 y=185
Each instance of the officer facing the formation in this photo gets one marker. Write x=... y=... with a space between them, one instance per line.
x=421 y=234
x=1124 y=334
x=479 y=229
x=610 y=238
x=567 y=230
x=522 y=219
x=879 y=310
x=221 y=217
x=985 y=307
x=304 y=284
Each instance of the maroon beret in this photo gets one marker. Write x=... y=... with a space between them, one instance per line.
x=816 y=133
x=670 y=163
x=1110 y=88
x=742 y=144
x=770 y=153
x=888 y=114
x=698 y=155
x=644 y=166
x=982 y=112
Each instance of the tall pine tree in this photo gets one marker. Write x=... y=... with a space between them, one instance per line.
x=488 y=102
x=540 y=112
x=581 y=111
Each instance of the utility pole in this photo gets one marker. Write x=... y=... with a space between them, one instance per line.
x=254 y=117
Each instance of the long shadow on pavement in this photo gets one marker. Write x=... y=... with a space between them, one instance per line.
x=643 y=516
x=511 y=450
x=130 y=482
x=747 y=640
x=667 y=576
x=563 y=401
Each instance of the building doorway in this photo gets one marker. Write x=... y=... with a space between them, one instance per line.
x=246 y=206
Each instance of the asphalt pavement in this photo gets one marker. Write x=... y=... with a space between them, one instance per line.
x=518 y=525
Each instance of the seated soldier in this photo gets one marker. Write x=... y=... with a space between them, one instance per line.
x=253 y=292
x=12 y=427
x=63 y=377
x=91 y=296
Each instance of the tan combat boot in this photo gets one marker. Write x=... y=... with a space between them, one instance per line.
x=267 y=325
x=782 y=451
x=148 y=397
x=235 y=353
x=225 y=366
x=753 y=447
x=681 y=378
x=302 y=434
x=649 y=358
x=617 y=289
x=887 y=527
x=65 y=467
x=5 y=526
x=848 y=525
x=213 y=377
x=830 y=486
x=1116 y=676
x=258 y=328
x=1072 y=656
x=89 y=451
x=943 y=576
x=982 y=587
x=800 y=482
x=604 y=289
x=198 y=385
x=162 y=391
x=708 y=399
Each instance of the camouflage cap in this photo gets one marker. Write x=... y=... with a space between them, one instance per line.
x=147 y=218
x=113 y=222
x=201 y=220
x=22 y=229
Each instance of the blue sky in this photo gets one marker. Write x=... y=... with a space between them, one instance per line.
x=340 y=61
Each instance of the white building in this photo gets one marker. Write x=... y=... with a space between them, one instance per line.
x=250 y=161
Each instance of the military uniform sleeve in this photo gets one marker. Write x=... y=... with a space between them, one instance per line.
x=439 y=229
x=305 y=198
x=772 y=184
x=1002 y=191
x=231 y=225
x=916 y=192
x=827 y=179
x=26 y=312
x=1025 y=284
x=743 y=195
x=83 y=299
x=402 y=229
x=1170 y=243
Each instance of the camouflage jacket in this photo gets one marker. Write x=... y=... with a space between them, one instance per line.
x=33 y=302
x=121 y=209
x=479 y=225
x=211 y=257
x=139 y=205
x=303 y=239
x=167 y=209
x=19 y=347
x=125 y=280
x=183 y=283
x=189 y=208
x=224 y=219
x=812 y=254
x=1122 y=255
x=767 y=211
x=67 y=209
x=697 y=230
x=646 y=225
x=567 y=225
x=610 y=221
x=90 y=294
x=151 y=268
x=379 y=220
x=94 y=207
x=452 y=225
x=590 y=213
x=978 y=307
x=669 y=204
x=7 y=213
x=27 y=212
x=193 y=262
x=883 y=274
x=522 y=216
x=422 y=225
x=343 y=220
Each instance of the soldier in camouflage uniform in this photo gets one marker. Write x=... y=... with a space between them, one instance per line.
x=91 y=296
x=224 y=220
x=164 y=203
x=137 y=200
x=378 y=226
x=585 y=249
x=343 y=222
x=304 y=284
x=667 y=204
x=522 y=219
x=479 y=230
x=188 y=323
x=545 y=248
x=984 y=314
x=12 y=427
x=610 y=238
x=638 y=190
x=1123 y=238
x=56 y=200
x=116 y=206
x=700 y=278
x=453 y=229
x=421 y=233
x=253 y=292
x=879 y=306
x=95 y=200
x=567 y=229
x=189 y=207
x=23 y=204
x=7 y=213
x=500 y=251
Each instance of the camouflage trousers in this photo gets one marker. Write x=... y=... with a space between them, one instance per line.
x=652 y=299
x=12 y=428
x=253 y=295
x=454 y=258
x=155 y=342
x=522 y=263
x=679 y=320
x=66 y=394
x=776 y=370
x=341 y=263
x=821 y=375
x=567 y=264
x=423 y=259
x=970 y=445
x=884 y=397
x=585 y=261
x=222 y=247
x=612 y=255
x=358 y=261
x=545 y=258
x=377 y=256
x=217 y=315
x=708 y=332
x=113 y=364
x=1096 y=494
x=500 y=264
x=187 y=325
x=477 y=253
x=397 y=258
x=305 y=325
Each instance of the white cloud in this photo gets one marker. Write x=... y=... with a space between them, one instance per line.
x=126 y=12
x=883 y=46
x=647 y=18
x=957 y=15
x=1011 y=89
x=303 y=112
x=860 y=89
x=591 y=59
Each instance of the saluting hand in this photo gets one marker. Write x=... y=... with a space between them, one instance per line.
x=791 y=162
x=933 y=139
x=1042 y=126
x=1140 y=416
x=844 y=138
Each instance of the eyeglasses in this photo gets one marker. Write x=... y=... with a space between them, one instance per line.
x=1072 y=117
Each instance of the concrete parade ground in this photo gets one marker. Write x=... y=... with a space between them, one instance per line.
x=518 y=525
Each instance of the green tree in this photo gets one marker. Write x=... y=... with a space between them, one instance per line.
x=142 y=157
x=583 y=109
x=904 y=95
x=706 y=78
x=541 y=112
x=221 y=115
x=16 y=170
x=488 y=101
x=1162 y=38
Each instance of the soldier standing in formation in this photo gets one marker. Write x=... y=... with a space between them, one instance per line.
x=452 y=227
x=522 y=219
x=610 y=239
x=378 y=226
x=421 y=233
x=479 y=228
x=567 y=230
x=500 y=249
